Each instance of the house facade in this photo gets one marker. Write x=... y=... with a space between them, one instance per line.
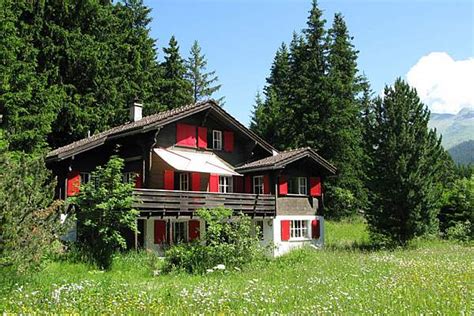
x=200 y=156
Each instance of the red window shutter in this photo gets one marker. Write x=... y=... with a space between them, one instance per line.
x=285 y=230
x=202 y=137
x=160 y=232
x=195 y=181
x=315 y=184
x=73 y=183
x=138 y=181
x=169 y=180
x=229 y=141
x=214 y=183
x=185 y=135
x=248 y=184
x=315 y=229
x=283 y=185
x=238 y=184
x=194 y=232
x=266 y=184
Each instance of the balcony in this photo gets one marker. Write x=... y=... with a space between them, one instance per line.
x=154 y=202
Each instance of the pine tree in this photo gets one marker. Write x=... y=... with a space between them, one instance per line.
x=269 y=116
x=202 y=81
x=74 y=68
x=341 y=135
x=406 y=167
x=176 y=90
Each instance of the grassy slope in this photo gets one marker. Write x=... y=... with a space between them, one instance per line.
x=435 y=277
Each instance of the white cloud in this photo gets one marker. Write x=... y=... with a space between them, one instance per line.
x=445 y=85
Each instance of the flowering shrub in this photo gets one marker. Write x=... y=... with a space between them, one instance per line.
x=225 y=244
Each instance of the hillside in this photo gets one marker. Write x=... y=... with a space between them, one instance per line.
x=455 y=128
x=463 y=153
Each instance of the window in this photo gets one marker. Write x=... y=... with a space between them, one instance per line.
x=217 y=140
x=299 y=229
x=225 y=184
x=129 y=177
x=259 y=229
x=298 y=185
x=85 y=177
x=184 y=182
x=180 y=233
x=258 y=185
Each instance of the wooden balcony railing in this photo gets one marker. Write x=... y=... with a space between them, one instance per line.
x=154 y=202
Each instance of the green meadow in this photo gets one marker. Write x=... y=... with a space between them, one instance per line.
x=426 y=278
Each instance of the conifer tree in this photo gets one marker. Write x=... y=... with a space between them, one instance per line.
x=341 y=135
x=406 y=167
x=203 y=83
x=176 y=90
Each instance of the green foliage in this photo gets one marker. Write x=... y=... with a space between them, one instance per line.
x=405 y=169
x=228 y=243
x=457 y=210
x=70 y=67
x=104 y=210
x=202 y=81
x=315 y=83
x=30 y=224
x=175 y=90
x=343 y=202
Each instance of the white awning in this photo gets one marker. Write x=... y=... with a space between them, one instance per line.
x=205 y=162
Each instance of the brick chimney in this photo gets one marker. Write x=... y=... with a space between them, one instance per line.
x=136 y=110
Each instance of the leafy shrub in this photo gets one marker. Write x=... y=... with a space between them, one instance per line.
x=228 y=243
x=458 y=209
x=30 y=225
x=105 y=209
x=461 y=231
x=341 y=203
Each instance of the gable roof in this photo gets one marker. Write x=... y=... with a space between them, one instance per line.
x=148 y=123
x=282 y=159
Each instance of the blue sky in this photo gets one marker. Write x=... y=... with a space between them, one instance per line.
x=240 y=37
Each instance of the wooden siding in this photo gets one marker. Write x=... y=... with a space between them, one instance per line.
x=296 y=205
x=185 y=203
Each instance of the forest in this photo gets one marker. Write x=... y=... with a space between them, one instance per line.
x=70 y=69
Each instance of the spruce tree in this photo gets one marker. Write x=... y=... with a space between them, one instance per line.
x=203 y=83
x=406 y=163
x=175 y=90
x=341 y=135
x=72 y=67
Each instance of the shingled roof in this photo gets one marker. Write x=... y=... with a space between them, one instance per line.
x=149 y=123
x=282 y=159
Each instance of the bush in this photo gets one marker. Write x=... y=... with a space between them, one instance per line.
x=461 y=231
x=227 y=243
x=105 y=209
x=30 y=225
x=341 y=203
x=458 y=209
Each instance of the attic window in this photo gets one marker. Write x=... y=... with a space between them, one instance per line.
x=217 y=140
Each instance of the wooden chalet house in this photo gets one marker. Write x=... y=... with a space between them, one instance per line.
x=200 y=156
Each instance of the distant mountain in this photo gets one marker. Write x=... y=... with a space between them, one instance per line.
x=463 y=153
x=455 y=128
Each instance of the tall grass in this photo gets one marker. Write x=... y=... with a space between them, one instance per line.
x=434 y=278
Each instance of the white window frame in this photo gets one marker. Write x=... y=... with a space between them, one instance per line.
x=86 y=177
x=299 y=230
x=258 y=185
x=217 y=140
x=184 y=181
x=128 y=177
x=301 y=186
x=259 y=223
x=174 y=230
x=226 y=184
